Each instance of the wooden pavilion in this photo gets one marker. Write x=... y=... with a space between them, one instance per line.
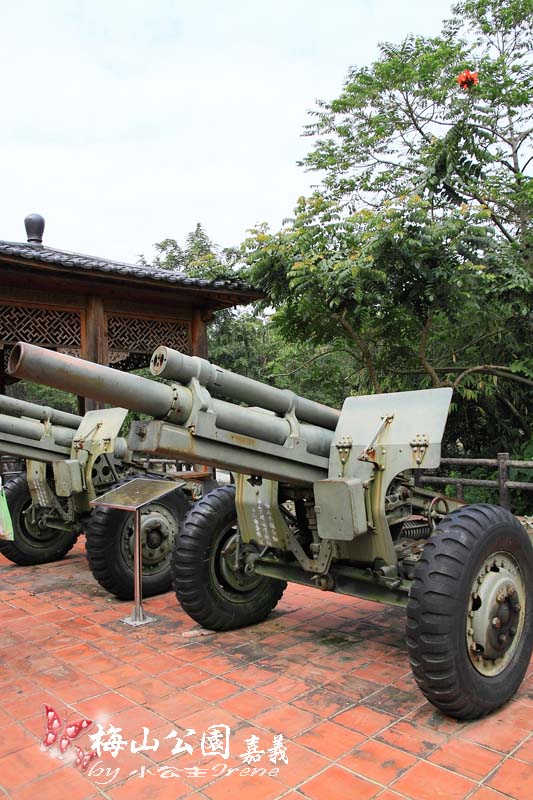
x=105 y=311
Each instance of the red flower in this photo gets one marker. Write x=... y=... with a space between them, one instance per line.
x=466 y=79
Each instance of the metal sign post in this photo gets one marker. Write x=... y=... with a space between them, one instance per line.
x=132 y=497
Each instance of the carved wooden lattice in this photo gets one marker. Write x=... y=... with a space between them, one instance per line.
x=134 y=335
x=43 y=326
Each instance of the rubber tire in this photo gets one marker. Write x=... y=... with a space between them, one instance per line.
x=103 y=530
x=196 y=591
x=21 y=551
x=437 y=611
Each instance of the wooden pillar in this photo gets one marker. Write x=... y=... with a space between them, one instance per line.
x=199 y=333
x=2 y=373
x=94 y=345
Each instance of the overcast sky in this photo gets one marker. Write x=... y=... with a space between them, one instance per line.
x=124 y=122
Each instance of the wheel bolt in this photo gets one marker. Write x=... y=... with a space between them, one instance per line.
x=470 y=631
x=502 y=638
x=512 y=631
x=496 y=622
x=517 y=607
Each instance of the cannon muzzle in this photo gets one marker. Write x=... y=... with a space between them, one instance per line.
x=29 y=362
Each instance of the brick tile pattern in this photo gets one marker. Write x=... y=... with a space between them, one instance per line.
x=329 y=673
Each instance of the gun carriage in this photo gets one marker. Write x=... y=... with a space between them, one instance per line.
x=326 y=498
x=70 y=460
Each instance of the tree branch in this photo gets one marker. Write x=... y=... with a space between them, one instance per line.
x=492 y=369
x=479 y=339
x=363 y=347
x=514 y=411
x=494 y=217
x=414 y=121
x=435 y=380
x=309 y=361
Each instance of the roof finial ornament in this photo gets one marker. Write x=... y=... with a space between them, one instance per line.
x=34 y=225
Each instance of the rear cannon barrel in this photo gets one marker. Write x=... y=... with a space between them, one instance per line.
x=34 y=430
x=66 y=467
x=22 y=408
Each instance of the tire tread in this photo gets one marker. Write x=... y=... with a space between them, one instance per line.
x=189 y=559
x=432 y=609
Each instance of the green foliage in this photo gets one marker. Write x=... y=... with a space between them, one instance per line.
x=404 y=124
x=169 y=255
x=44 y=396
x=246 y=342
x=522 y=501
x=415 y=252
x=200 y=258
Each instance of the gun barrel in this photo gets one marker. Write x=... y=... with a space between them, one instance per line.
x=22 y=408
x=106 y=384
x=172 y=403
x=266 y=426
x=169 y=363
x=30 y=429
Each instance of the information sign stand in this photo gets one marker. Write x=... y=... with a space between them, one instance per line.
x=132 y=497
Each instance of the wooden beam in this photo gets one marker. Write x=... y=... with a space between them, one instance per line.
x=119 y=285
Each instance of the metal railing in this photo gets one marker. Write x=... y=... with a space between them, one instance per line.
x=502 y=464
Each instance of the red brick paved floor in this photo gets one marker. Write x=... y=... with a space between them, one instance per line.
x=328 y=673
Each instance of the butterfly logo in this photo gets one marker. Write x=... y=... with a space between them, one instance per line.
x=83 y=759
x=62 y=733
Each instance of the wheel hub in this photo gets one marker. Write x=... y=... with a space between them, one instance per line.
x=231 y=566
x=158 y=527
x=156 y=537
x=35 y=526
x=496 y=614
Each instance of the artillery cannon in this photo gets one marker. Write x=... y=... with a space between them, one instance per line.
x=69 y=461
x=327 y=499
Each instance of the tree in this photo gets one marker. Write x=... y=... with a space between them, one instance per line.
x=420 y=121
x=415 y=252
x=198 y=245
x=170 y=256
x=381 y=280
x=243 y=340
x=200 y=258
x=246 y=342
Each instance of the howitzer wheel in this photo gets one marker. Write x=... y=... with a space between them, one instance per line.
x=470 y=611
x=34 y=542
x=207 y=568
x=110 y=543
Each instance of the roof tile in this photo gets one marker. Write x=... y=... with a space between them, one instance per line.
x=64 y=258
